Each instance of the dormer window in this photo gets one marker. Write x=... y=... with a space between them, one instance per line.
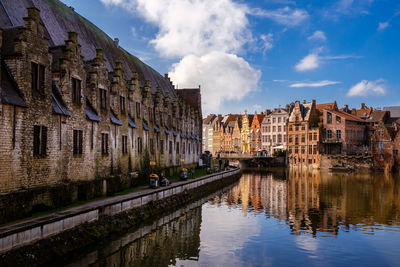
x=76 y=91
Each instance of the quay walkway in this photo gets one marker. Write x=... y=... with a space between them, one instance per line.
x=31 y=230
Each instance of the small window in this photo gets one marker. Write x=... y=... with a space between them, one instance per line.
x=76 y=91
x=137 y=110
x=103 y=98
x=329 y=117
x=122 y=104
x=139 y=145
x=310 y=137
x=151 y=145
x=37 y=77
x=39 y=141
x=329 y=134
x=124 y=144
x=170 y=147
x=77 y=142
x=104 y=143
x=310 y=151
x=338 y=120
x=338 y=134
x=161 y=146
x=395 y=152
x=315 y=149
x=303 y=149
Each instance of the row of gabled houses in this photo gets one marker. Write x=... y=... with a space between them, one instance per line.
x=311 y=135
x=75 y=106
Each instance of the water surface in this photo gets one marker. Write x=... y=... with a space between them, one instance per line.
x=283 y=218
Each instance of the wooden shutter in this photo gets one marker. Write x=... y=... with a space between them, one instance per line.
x=41 y=78
x=44 y=141
x=36 y=140
x=80 y=143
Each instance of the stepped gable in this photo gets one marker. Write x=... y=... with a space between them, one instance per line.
x=60 y=19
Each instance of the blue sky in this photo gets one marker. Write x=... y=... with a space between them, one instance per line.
x=261 y=54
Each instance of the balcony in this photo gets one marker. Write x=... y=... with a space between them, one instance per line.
x=332 y=140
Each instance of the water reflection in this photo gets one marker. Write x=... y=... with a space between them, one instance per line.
x=317 y=201
x=272 y=218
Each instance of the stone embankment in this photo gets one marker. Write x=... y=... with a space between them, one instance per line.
x=42 y=239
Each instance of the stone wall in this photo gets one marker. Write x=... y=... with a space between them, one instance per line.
x=22 y=234
x=151 y=122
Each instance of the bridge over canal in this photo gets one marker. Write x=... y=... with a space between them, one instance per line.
x=251 y=161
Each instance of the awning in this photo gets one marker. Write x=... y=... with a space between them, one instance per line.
x=278 y=147
x=131 y=123
x=166 y=130
x=91 y=113
x=10 y=92
x=156 y=128
x=57 y=104
x=145 y=127
x=174 y=132
x=114 y=118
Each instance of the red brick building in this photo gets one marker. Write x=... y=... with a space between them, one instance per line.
x=343 y=133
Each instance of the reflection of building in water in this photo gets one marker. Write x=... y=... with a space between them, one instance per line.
x=179 y=238
x=322 y=202
x=260 y=192
x=303 y=198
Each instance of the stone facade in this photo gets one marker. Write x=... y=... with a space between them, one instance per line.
x=66 y=116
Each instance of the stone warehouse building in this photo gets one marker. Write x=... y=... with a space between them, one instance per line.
x=76 y=106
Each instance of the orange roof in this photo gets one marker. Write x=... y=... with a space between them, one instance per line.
x=328 y=106
x=364 y=112
x=346 y=115
x=209 y=118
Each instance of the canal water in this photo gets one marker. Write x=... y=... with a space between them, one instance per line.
x=271 y=218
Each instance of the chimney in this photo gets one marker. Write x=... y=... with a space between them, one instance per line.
x=116 y=42
x=362 y=105
x=99 y=53
x=314 y=102
x=304 y=101
x=73 y=36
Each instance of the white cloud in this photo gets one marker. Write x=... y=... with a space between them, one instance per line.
x=383 y=25
x=267 y=40
x=204 y=36
x=309 y=62
x=314 y=84
x=221 y=76
x=365 y=88
x=286 y=16
x=317 y=36
x=313 y=60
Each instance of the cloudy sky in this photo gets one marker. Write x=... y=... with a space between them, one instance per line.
x=260 y=54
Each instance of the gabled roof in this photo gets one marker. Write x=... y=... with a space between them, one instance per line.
x=10 y=92
x=58 y=105
x=377 y=116
x=347 y=116
x=327 y=106
x=209 y=119
x=250 y=118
